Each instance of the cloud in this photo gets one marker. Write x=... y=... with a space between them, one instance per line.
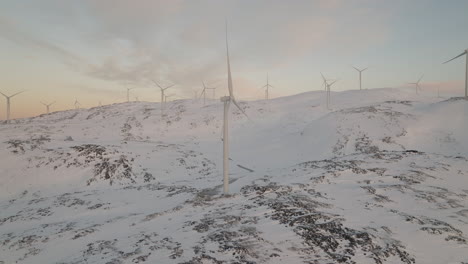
x=12 y=32
x=127 y=42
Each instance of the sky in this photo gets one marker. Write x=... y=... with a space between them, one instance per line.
x=93 y=50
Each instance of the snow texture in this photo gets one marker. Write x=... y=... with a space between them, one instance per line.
x=382 y=177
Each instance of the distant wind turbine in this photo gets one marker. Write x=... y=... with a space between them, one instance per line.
x=466 y=70
x=416 y=84
x=128 y=93
x=227 y=100
x=48 y=106
x=327 y=87
x=324 y=83
x=162 y=95
x=8 y=103
x=77 y=104
x=267 y=86
x=360 y=73
x=203 y=92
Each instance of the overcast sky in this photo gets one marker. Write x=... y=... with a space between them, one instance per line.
x=92 y=50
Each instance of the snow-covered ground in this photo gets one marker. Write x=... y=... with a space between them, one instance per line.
x=382 y=177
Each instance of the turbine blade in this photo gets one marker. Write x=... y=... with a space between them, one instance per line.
x=332 y=83
x=157 y=84
x=4 y=94
x=231 y=92
x=365 y=69
x=237 y=105
x=456 y=57
x=323 y=77
x=420 y=79
x=355 y=68
x=169 y=86
x=16 y=94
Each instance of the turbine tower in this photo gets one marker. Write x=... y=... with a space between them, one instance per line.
x=8 y=103
x=416 y=84
x=48 y=106
x=203 y=92
x=360 y=73
x=227 y=101
x=466 y=71
x=267 y=85
x=162 y=95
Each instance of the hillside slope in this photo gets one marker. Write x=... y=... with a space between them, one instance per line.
x=382 y=177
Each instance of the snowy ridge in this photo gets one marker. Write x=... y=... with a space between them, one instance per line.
x=382 y=177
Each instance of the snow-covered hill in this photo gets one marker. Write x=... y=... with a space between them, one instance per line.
x=382 y=177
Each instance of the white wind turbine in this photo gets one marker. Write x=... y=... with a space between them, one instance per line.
x=267 y=86
x=203 y=92
x=227 y=100
x=466 y=70
x=8 y=103
x=327 y=88
x=324 y=84
x=128 y=93
x=77 y=104
x=48 y=106
x=360 y=73
x=416 y=84
x=163 y=89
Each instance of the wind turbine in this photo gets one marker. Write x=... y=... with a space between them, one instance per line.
x=327 y=87
x=466 y=71
x=417 y=84
x=48 y=105
x=360 y=72
x=267 y=85
x=204 y=92
x=162 y=95
x=77 y=104
x=8 y=103
x=324 y=84
x=128 y=93
x=227 y=101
